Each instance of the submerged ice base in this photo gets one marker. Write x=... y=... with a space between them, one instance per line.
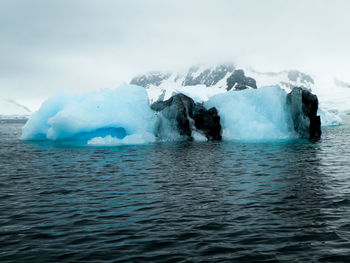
x=124 y=116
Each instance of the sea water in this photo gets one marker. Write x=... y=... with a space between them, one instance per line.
x=181 y=201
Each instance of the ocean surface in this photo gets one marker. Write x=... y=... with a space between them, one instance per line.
x=175 y=202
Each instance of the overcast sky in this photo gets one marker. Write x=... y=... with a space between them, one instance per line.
x=48 y=46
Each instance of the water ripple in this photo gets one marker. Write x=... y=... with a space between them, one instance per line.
x=175 y=202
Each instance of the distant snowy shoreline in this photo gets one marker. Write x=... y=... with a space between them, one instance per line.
x=12 y=110
x=15 y=117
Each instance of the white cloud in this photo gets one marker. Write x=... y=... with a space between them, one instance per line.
x=47 y=46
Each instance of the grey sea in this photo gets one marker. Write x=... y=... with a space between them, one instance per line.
x=175 y=202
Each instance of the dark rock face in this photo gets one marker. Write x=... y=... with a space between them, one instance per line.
x=239 y=81
x=207 y=121
x=295 y=75
x=194 y=76
x=186 y=116
x=177 y=110
x=303 y=106
x=207 y=77
x=153 y=78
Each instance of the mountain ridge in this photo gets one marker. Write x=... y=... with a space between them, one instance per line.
x=213 y=76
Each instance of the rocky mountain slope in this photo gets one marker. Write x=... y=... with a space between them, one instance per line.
x=163 y=85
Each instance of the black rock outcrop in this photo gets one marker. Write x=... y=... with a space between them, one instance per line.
x=239 y=81
x=207 y=121
x=208 y=77
x=195 y=75
x=295 y=75
x=186 y=116
x=303 y=106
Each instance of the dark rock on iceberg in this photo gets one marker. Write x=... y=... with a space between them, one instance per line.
x=239 y=81
x=186 y=116
x=207 y=121
x=303 y=106
x=177 y=110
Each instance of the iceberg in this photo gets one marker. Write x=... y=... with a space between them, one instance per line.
x=125 y=116
x=118 y=113
x=260 y=114
x=329 y=117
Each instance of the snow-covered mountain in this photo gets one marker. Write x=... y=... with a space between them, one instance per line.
x=217 y=79
x=341 y=83
x=202 y=82
x=10 y=109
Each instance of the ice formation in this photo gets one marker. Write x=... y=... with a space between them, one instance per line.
x=127 y=140
x=254 y=114
x=123 y=113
